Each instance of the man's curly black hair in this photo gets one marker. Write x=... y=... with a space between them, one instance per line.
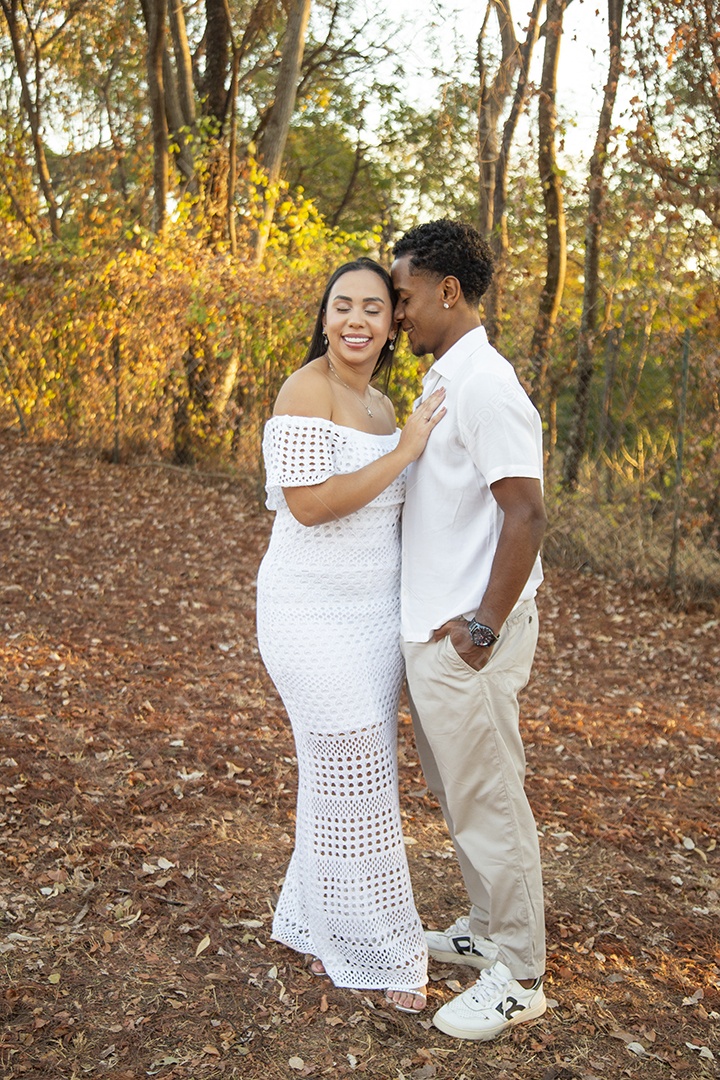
x=450 y=249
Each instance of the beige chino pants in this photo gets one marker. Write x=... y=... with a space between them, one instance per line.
x=468 y=739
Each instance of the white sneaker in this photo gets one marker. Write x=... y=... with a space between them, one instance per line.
x=492 y=1005
x=457 y=945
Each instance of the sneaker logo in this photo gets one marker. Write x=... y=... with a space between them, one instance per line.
x=509 y=1007
x=464 y=946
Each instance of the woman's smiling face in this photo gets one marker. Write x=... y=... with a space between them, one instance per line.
x=358 y=318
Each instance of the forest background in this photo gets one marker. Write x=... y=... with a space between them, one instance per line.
x=178 y=177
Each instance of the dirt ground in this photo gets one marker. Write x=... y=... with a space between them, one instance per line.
x=148 y=783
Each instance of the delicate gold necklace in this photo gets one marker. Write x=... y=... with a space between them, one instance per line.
x=367 y=408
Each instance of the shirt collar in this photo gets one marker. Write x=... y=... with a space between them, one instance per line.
x=452 y=361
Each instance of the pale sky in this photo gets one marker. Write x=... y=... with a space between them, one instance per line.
x=442 y=30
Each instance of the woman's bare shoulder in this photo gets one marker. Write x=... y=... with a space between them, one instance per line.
x=305 y=393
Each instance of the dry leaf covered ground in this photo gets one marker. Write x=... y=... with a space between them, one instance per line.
x=147 y=791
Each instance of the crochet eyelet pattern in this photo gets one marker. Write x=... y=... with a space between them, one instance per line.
x=329 y=635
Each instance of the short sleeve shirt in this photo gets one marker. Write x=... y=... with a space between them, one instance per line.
x=451 y=521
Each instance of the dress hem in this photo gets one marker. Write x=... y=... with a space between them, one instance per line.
x=394 y=985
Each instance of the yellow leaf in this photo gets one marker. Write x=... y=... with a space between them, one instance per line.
x=54 y=978
x=203 y=945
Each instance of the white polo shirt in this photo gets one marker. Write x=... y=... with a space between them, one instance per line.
x=451 y=522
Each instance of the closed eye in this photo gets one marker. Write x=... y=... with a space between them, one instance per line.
x=368 y=311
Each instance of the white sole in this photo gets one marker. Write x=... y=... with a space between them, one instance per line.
x=487 y=1034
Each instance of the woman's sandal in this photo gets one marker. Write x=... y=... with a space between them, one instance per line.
x=316 y=967
x=416 y=994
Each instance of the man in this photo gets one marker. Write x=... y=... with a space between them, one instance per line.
x=473 y=521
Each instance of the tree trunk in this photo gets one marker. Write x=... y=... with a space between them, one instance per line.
x=607 y=426
x=493 y=299
x=232 y=153
x=351 y=184
x=556 y=257
x=639 y=366
x=180 y=92
x=32 y=109
x=181 y=136
x=577 y=440
x=216 y=97
x=183 y=62
x=217 y=40
x=117 y=144
x=275 y=137
x=492 y=98
x=155 y=13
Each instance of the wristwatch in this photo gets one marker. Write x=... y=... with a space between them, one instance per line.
x=482 y=635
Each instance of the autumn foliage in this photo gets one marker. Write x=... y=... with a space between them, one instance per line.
x=167 y=343
x=177 y=182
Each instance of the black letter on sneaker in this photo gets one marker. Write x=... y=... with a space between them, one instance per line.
x=464 y=945
x=512 y=1006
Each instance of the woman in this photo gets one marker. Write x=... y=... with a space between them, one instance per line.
x=328 y=629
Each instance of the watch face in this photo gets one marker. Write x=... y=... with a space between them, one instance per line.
x=482 y=636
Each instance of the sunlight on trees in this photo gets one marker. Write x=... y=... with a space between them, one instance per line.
x=177 y=180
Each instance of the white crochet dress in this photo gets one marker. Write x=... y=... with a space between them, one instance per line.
x=329 y=632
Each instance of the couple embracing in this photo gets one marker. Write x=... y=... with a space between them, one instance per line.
x=411 y=553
